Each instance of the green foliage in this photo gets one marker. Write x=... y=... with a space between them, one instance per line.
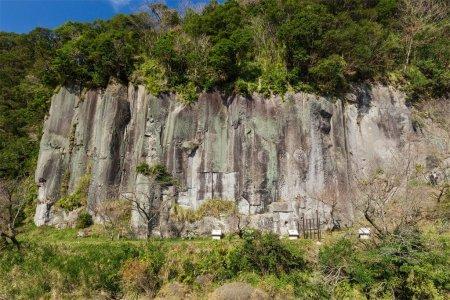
x=28 y=191
x=168 y=50
x=84 y=220
x=161 y=175
x=402 y=266
x=142 y=275
x=144 y=169
x=158 y=171
x=264 y=254
x=24 y=98
x=78 y=198
x=71 y=202
x=329 y=74
x=17 y=156
x=45 y=269
x=187 y=93
x=153 y=76
x=418 y=83
x=97 y=52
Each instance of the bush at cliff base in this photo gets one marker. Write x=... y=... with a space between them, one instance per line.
x=403 y=266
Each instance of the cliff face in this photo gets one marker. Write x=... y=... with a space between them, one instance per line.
x=273 y=157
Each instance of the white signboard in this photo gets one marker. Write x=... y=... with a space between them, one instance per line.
x=364 y=233
x=216 y=234
x=293 y=234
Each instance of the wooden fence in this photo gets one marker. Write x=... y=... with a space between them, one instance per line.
x=310 y=228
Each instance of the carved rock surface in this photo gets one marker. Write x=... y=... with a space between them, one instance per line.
x=271 y=156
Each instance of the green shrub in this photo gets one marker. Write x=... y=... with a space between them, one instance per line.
x=84 y=220
x=346 y=290
x=187 y=93
x=144 y=169
x=243 y=87
x=158 y=171
x=97 y=52
x=71 y=202
x=154 y=77
x=308 y=285
x=185 y=261
x=329 y=74
x=402 y=266
x=276 y=286
x=336 y=256
x=418 y=84
x=51 y=264
x=78 y=198
x=161 y=175
x=274 y=80
x=264 y=254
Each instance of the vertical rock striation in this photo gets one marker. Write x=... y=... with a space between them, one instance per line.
x=272 y=156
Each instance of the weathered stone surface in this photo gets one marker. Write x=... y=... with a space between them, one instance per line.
x=54 y=152
x=271 y=156
x=228 y=224
x=63 y=219
x=81 y=135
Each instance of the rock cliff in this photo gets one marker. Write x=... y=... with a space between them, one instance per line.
x=273 y=157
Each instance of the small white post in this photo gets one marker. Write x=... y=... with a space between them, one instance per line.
x=293 y=234
x=364 y=233
x=216 y=234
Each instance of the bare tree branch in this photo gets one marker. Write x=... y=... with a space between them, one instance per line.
x=394 y=196
x=418 y=16
x=147 y=204
x=11 y=207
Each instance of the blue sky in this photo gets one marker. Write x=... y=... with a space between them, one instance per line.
x=23 y=15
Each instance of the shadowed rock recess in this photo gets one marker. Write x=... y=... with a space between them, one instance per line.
x=273 y=157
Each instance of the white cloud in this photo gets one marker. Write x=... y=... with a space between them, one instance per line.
x=117 y=4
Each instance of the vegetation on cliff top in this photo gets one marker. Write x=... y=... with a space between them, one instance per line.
x=268 y=46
